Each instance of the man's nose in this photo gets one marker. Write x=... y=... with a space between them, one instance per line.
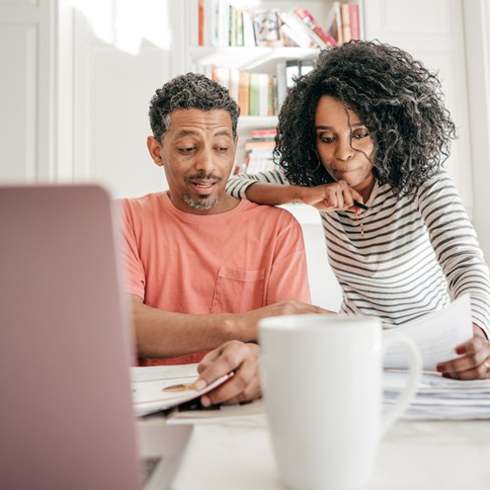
x=204 y=162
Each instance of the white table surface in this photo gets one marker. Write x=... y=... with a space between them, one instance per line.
x=414 y=455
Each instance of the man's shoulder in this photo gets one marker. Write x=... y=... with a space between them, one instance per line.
x=139 y=204
x=269 y=212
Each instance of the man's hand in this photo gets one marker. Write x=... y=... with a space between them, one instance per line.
x=330 y=197
x=248 y=322
x=235 y=356
x=474 y=362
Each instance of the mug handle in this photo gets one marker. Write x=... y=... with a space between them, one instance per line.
x=409 y=392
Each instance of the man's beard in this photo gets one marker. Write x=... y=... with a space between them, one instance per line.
x=205 y=202
x=201 y=204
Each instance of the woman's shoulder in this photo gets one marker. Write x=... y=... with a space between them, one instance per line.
x=440 y=181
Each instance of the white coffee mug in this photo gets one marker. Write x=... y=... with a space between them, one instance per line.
x=322 y=380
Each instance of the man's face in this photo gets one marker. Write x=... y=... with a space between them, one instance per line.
x=197 y=153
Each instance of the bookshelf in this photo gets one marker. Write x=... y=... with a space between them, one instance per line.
x=215 y=49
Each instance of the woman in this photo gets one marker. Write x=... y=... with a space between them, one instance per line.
x=363 y=138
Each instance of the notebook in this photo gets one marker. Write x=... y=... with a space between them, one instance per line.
x=66 y=414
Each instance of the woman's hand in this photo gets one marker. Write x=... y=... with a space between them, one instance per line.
x=474 y=360
x=330 y=197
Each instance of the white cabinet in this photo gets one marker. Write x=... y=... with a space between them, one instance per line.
x=26 y=91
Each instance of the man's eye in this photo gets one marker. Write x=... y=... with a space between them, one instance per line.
x=187 y=149
x=222 y=149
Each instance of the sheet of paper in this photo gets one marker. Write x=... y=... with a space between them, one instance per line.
x=158 y=388
x=437 y=334
x=440 y=398
x=212 y=415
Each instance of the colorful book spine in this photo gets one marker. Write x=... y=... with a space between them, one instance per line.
x=355 y=28
x=346 y=30
x=317 y=32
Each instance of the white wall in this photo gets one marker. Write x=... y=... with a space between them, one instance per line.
x=433 y=32
x=26 y=91
x=477 y=25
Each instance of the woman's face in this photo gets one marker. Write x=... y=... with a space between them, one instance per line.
x=344 y=145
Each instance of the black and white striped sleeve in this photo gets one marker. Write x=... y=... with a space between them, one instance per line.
x=238 y=184
x=456 y=245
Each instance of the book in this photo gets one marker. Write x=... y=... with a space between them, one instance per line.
x=299 y=31
x=269 y=133
x=355 y=29
x=248 y=30
x=346 y=31
x=239 y=28
x=244 y=93
x=200 y=35
x=266 y=27
x=157 y=388
x=221 y=75
x=234 y=87
x=334 y=23
x=294 y=38
x=223 y=23
x=254 y=97
x=317 y=32
x=263 y=79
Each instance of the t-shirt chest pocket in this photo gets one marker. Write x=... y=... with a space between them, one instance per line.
x=237 y=291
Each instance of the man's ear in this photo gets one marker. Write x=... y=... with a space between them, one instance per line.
x=155 y=148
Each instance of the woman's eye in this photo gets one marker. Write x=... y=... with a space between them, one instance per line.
x=326 y=139
x=360 y=136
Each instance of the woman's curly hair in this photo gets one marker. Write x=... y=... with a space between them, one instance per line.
x=189 y=91
x=396 y=97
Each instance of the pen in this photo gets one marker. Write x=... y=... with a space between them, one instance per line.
x=356 y=203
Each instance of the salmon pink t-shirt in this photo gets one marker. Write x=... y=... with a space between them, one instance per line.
x=233 y=262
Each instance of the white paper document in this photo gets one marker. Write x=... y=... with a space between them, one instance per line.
x=437 y=334
x=219 y=413
x=158 y=388
x=441 y=398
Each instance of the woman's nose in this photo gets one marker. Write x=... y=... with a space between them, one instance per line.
x=344 y=150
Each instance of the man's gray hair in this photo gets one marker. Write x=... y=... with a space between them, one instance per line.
x=190 y=91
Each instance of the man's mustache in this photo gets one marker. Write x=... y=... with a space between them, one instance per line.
x=203 y=176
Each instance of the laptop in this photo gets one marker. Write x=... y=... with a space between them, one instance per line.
x=66 y=412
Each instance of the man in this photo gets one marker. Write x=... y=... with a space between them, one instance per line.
x=204 y=267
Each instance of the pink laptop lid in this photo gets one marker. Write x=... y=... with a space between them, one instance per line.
x=66 y=418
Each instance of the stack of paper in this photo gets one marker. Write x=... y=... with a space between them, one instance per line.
x=441 y=398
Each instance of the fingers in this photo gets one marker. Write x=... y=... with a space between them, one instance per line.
x=474 y=362
x=243 y=386
x=328 y=197
x=235 y=356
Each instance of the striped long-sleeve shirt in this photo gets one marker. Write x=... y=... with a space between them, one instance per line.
x=405 y=257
